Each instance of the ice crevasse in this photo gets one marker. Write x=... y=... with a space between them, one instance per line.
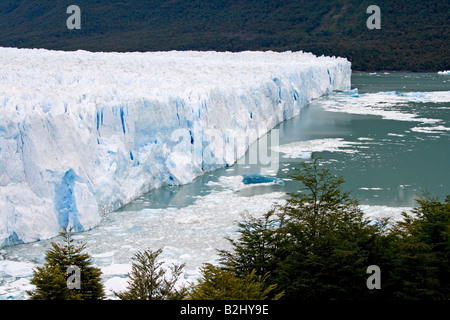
x=84 y=133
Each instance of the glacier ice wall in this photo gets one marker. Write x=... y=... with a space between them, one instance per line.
x=84 y=133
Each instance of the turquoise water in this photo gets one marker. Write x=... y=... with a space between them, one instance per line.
x=393 y=164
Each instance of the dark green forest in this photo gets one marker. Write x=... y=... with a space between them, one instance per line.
x=414 y=35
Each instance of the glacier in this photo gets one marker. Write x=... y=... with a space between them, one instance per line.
x=83 y=133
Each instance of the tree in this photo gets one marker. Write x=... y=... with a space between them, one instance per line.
x=331 y=242
x=53 y=281
x=319 y=245
x=259 y=246
x=419 y=252
x=221 y=284
x=149 y=281
x=316 y=246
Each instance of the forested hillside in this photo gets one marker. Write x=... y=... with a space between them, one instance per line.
x=414 y=34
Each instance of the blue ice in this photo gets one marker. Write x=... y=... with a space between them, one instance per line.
x=259 y=178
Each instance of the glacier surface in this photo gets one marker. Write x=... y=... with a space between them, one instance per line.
x=84 y=133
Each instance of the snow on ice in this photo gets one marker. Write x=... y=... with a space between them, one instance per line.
x=85 y=133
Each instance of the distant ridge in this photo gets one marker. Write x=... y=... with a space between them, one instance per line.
x=414 y=34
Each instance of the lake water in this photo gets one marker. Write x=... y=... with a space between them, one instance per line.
x=389 y=137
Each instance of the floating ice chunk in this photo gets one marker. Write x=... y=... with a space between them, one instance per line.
x=116 y=269
x=22 y=284
x=104 y=255
x=115 y=284
x=16 y=269
x=435 y=129
x=351 y=91
x=413 y=94
x=381 y=212
x=395 y=134
x=385 y=104
x=259 y=178
x=303 y=149
x=365 y=139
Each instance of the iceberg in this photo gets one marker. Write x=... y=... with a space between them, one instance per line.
x=387 y=104
x=16 y=269
x=305 y=149
x=259 y=178
x=82 y=133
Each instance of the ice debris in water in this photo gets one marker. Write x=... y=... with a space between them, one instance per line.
x=259 y=178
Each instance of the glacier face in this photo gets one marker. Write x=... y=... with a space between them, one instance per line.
x=84 y=133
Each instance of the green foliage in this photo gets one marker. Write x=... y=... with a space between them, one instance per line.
x=331 y=241
x=222 y=284
x=413 y=36
x=319 y=245
x=51 y=279
x=50 y=282
x=419 y=252
x=150 y=281
x=258 y=248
